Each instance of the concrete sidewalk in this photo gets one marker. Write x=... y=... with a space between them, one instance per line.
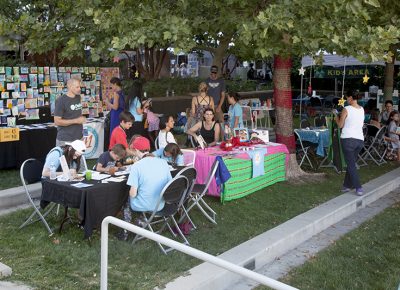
x=267 y=247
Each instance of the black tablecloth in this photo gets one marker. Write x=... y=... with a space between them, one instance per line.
x=33 y=143
x=94 y=203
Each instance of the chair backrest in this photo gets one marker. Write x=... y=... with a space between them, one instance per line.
x=189 y=157
x=190 y=173
x=211 y=174
x=246 y=113
x=315 y=102
x=372 y=130
x=304 y=124
x=298 y=139
x=156 y=143
x=31 y=171
x=175 y=190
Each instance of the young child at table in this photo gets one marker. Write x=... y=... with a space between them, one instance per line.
x=118 y=135
x=153 y=122
x=171 y=153
x=393 y=123
x=107 y=160
x=73 y=155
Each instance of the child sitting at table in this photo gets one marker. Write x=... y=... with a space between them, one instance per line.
x=118 y=135
x=107 y=160
x=73 y=155
x=171 y=153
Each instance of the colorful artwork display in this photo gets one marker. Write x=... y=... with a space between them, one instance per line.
x=25 y=89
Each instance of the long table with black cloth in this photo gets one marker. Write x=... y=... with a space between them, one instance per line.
x=94 y=202
x=33 y=143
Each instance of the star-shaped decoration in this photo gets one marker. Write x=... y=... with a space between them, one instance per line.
x=136 y=74
x=116 y=59
x=301 y=71
x=365 y=79
x=341 y=101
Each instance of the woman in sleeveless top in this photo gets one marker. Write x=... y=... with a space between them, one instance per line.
x=351 y=122
x=208 y=128
x=200 y=103
x=116 y=103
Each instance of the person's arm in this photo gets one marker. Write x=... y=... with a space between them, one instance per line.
x=340 y=121
x=53 y=157
x=115 y=104
x=212 y=105
x=101 y=168
x=217 y=130
x=133 y=192
x=221 y=101
x=192 y=131
x=193 y=110
x=236 y=123
x=59 y=121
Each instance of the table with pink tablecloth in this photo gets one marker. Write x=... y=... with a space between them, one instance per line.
x=239 y=165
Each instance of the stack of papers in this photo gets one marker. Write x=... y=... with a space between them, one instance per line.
x=99 y=176
x=81 y=185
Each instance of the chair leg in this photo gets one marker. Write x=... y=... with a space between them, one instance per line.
x=40 y=217
x=186 y=214
x=186 y=242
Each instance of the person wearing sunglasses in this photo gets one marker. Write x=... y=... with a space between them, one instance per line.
x=216 y=89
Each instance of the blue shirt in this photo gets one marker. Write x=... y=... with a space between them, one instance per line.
x=136 y=104
x=149 y=176
x=160 y=153
x=257 y=156
x=235 y=111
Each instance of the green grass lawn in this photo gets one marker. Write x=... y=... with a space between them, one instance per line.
x=367 y=258
x=68 y=262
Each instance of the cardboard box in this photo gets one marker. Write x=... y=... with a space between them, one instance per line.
x=9 y=134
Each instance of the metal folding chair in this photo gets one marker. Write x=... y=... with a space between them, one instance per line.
x=189 y=157
x=247 y=116
x=190 y=173
x=375 y=147
x=31 y=172
x=302 y=150
x=304 y=124
x=199 y=191
x=173 y=194
x=156 y=145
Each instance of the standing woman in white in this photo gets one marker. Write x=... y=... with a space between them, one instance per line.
x=351 y=121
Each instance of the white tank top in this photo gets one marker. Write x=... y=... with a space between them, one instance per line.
x=353 y=125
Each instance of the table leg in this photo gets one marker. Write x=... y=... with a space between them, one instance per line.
x=65 y=218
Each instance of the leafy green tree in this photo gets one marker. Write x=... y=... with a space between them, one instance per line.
x=299 y=27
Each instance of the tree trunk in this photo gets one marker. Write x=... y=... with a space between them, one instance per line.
x=283 y=102
x=220 y=52
x=284 y=118
x=389 y=72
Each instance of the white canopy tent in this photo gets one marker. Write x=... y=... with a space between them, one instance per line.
x=339 y=60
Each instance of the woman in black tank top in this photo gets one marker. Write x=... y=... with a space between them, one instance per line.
x=208 y=128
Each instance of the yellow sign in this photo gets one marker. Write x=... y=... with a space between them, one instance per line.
x=9 y=134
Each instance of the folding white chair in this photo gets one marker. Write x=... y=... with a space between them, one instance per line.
x=156 y=143
x=173 y=194
x=246 y=115
x=31 y=172
x=189 y=157
x=199 y=191
x=302 y=150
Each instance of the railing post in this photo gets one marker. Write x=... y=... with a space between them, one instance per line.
x=104 y=255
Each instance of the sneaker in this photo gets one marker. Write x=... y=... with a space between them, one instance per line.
x=359 y=191
x=122 y=235
x=345 y=189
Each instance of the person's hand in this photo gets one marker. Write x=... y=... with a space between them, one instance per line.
x=218 y=109
x=82 y=120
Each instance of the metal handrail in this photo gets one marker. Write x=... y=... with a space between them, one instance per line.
x=180 y=247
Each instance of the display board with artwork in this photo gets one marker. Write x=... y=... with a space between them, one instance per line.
x=25 y=89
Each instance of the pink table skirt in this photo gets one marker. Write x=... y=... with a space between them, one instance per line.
x=206 y=158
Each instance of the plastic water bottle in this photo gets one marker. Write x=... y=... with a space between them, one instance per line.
x=53 y=174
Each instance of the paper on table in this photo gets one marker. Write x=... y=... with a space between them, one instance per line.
x=81 y=185
x=99 y=176
x=114 y=179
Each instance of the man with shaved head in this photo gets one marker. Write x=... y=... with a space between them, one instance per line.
x=68 y=114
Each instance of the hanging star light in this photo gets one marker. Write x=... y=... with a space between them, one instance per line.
x=301 y=71
x=136 y=74
x=365 y=79
x=341 y=101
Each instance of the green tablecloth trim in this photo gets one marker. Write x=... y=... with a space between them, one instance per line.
x=241 y=182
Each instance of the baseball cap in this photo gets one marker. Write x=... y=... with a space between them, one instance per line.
x=214 y=69
x=141 y=143
x=78 y=145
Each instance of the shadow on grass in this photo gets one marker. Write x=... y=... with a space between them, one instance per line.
x=68 y=262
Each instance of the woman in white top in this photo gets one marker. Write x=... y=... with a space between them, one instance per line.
x=352 y=139
x=165 y=136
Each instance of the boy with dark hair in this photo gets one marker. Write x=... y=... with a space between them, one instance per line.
x=107 y=160
x=118 y=135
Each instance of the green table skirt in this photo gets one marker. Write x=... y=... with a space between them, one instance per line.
x=241 y=183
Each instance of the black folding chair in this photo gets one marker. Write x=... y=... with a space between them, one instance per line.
x=31 y=172
x=375 y=147
x=319 y=121
x=304 y=124
x=173 y=194
x=190 y=173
